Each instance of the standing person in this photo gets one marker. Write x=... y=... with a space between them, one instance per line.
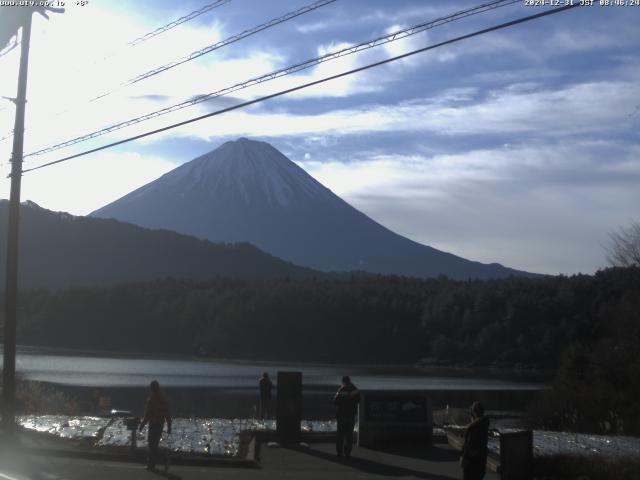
x=346 y=399
x=265 y=386
x=156 y=412
x=474 y=452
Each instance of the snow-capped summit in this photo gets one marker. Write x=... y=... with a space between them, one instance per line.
x=255 y=171
x=247 y=190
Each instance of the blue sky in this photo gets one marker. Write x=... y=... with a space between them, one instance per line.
x=520 y=146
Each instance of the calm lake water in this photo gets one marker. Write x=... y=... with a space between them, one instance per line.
x=89 y=370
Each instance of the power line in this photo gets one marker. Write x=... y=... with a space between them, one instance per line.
x=179 y=21
x=220 y=44
x=310 y=84
x=140 y=39
x=208 y=49
x=392 y=37
x=7 y=49
x=167 y=27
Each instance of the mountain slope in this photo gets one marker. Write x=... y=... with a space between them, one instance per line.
x=60 y=250
x=248 y=191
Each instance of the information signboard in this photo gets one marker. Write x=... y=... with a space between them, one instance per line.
x=396 y=408
x=392 y=417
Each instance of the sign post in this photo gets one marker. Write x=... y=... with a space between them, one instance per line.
x=516 y=455
x=289 y=407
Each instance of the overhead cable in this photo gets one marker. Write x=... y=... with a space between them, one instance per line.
x=208 y=49
x=392 y=37
x=179 y=21
x=142 y=38
x=218 y=45
x=310 y=84
x=10 y=47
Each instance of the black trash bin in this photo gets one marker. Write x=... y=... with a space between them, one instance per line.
x=132 y=424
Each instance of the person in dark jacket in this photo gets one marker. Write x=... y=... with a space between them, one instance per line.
x=156 y=412
x=346 y=399
x=474 y=452
x=265 y=385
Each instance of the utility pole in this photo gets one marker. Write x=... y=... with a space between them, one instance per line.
x=15 y=18
x=11 y=285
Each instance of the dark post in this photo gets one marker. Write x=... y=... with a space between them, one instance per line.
x=132 y=424
x=11 y=286
x=516 y=455
x=289 y=411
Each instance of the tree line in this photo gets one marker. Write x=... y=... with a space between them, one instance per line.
x=586 y=327
x=363 y=318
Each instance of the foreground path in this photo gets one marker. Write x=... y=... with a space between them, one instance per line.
x=319 y=462
x=315 y=462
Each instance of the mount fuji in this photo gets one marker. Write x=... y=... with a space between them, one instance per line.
x=247 y=191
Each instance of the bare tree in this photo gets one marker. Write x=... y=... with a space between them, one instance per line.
x=624 y=246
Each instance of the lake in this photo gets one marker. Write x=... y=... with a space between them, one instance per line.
x=229 y=387
x=97 y=370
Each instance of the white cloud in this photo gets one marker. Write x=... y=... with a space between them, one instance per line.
x=88 y=183
x=512 y=112
x=420 y=12
x=73 y=44
x=341 y=87
x=524 y=207
x=79 y=54
x=407 y=44
x=315 y=27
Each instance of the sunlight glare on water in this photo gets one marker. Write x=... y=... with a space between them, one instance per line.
x=135 y=372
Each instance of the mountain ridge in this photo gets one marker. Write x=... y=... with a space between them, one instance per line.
x=59 y=250
x=246 y=190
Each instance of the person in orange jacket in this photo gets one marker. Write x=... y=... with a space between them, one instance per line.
x=156 y=412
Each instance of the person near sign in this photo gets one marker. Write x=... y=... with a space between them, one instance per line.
x=156 y=413
x=346 y=400
x=265 y=386
x=474 y=452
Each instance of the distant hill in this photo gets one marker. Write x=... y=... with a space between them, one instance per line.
x=60 y=250
x=248 y=191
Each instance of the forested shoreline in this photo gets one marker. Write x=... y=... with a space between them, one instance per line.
x=362 y=319
x=584 y=327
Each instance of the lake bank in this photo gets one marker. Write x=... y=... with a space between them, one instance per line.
x=517 y=371
x=317 y=401
x=98 y=369
x=229 y=389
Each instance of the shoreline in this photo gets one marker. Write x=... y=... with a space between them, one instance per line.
x=72 y=352
x=234 y=402
x=420 y=366
x=506 y=372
